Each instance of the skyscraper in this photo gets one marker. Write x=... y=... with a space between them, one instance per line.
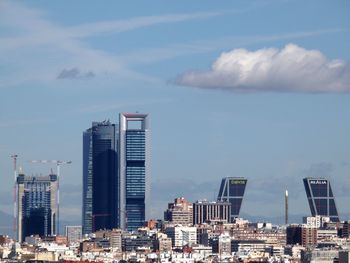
x=37 y=205
x=320 y=197
x=232 y=190
x=134 y=169
x=100 y=177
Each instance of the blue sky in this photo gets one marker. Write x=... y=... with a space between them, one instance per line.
x=258 y=89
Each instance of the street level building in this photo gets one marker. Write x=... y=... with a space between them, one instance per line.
x=205 y=212
x=320 y=197
x=232 y=190
x=301 y=235
x=100 y=177
x=37 y=205
x=222 y=244
x=73 y=234
x=346 y=229
x=182 y=235
x=162 y=243
x=116 y=239
x=316 y=221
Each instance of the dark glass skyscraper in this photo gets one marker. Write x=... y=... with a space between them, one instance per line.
x=320 y=197
x=134 y=169
x=37 y=205
x=232 y=190
x=100 y=177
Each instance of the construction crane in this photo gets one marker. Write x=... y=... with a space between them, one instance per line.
x=58 y=165
x=14 y=157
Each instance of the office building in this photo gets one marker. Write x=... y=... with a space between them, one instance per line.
x=316 y=221
x=180 y=212
x=206 y=212
x=37 y=205
x=73 y=234
x=100 y=177
x=182 y=235
x=162 y=243
x=344 y=256
x=116 y=239
x=222 y=244
x=302 y=235
x=346 y=229
x=252 y=245
x=134 y=169
x=319 y=255
x=232 y=190
x=320 y=197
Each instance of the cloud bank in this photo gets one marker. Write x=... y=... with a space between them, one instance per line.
x=291 y=69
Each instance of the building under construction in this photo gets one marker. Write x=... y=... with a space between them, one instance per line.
x=37 y=205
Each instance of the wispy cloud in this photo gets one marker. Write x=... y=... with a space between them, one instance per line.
x=45 y=32
x=119 y=26
x=35 y=38
x=290 y=69
x=152 y=55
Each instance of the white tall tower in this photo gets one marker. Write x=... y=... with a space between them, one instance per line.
x=134 y=169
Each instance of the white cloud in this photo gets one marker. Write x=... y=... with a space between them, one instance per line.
x=291 y=69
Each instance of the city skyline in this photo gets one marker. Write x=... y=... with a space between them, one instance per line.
x=274 y=126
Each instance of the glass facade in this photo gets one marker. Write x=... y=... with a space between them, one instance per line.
x=134 y=170
x=100 y=177
x=116 y=170
x=320 y=198
x=37 y=205
x=135 y=178
x=232 y=190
